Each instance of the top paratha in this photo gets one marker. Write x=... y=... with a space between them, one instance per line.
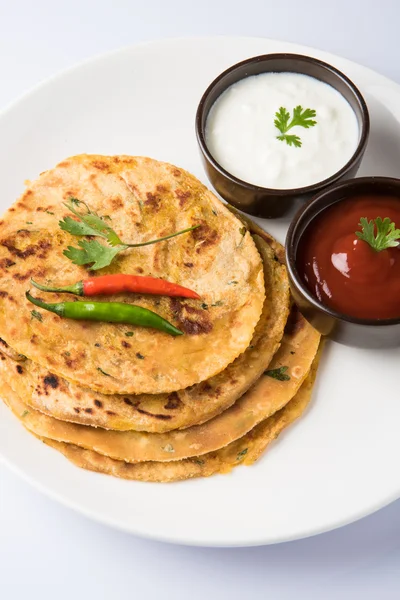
x=145 y=199
x=156 y=413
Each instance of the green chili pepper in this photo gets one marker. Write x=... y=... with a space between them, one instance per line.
x=108 y=312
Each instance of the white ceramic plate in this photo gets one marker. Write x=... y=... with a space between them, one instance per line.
x=340 y=461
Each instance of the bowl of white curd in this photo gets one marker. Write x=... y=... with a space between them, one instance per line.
x=276 y=129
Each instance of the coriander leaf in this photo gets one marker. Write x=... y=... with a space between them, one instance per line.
x=36 y=315
x=279 y=374
x=94 y=223
x=198 y=461
x=241 y=454
x=291 y=140
x=102 y=228
x=92 y=252
x=387 y=236
x=282 y=119
x=129 y=333
x=76 y=227
x=242 y=231
x=24 y=414
x=301 y=118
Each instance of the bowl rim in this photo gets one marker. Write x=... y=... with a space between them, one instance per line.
x=315 y=187
x=294 y=275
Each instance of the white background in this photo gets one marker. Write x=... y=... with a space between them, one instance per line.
x=47 y=551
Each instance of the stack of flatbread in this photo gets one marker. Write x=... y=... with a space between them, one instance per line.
x=135 y=402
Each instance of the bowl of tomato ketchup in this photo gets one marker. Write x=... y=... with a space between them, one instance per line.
x=343 y=256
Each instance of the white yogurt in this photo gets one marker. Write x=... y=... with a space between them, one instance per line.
x=242 y=137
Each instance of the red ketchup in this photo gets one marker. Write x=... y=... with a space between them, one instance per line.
x=344 y=272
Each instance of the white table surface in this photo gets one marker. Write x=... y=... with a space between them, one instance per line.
x=47 y=551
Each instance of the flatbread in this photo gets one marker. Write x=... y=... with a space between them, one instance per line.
x=246 y=450
x=264 y=398
x=43 y=390
x=144 y=199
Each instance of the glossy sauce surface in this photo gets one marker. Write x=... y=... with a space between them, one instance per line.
x=344 y=272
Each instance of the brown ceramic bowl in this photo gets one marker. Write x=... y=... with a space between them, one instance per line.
x=365 y=333
x=268 y=202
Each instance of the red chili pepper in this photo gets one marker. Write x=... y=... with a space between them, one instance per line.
x=118 y=283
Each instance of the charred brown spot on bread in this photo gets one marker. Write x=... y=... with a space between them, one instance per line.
x=125 y=344
x=98 y=403
x=295 y=322
x=139 y=270
x=176 y=172
x=77 y=410
x=152 y=201
x=279 y=255
x=23 y=276
x=109 y=412
x=89 y=410
x=51 y=381
x=41 y=248
x=2 y=357
x=3 y=294
x=162 y=189
x=117 y=202
x=183 y=196
x=20 y=370
x=34 y=339
x=193 y=321
x=205 y=236
x=206 y=387
x=189 y=265
x=101 y=165
x=158 y=416
x=136 y=406
x=6 y=263
x=173 y=401
x=124 y=160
